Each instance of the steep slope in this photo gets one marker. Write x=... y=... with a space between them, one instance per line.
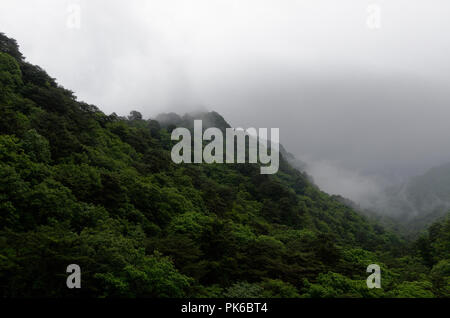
x=81 y=187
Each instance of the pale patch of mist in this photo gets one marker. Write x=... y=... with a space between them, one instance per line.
x=406 y=202
x=364 y=190
x=403 y=200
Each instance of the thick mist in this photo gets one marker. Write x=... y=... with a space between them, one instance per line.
x=359 y=89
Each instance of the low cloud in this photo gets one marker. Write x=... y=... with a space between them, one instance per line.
x=361 y=189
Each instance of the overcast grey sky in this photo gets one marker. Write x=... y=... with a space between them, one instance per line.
x=353 y=97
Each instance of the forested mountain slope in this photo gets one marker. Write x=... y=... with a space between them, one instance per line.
x=81 y=187
x=418 y=202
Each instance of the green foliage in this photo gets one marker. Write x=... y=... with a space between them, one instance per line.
x=275 y=288
x=420 y=289
x=36 y=146
x=440 y=277
x=10 y=74
x=332 y=285
x=243 y=290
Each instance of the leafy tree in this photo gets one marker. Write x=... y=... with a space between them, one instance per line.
x=243 y=290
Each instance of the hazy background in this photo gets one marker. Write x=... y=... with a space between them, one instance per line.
x=362 y=98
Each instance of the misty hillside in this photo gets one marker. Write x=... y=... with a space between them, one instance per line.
x=82 y=187
x=209 y=119
x=419 y=201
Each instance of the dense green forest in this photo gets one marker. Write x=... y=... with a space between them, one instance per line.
x=82 y=187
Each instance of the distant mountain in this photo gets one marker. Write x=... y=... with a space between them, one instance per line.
x=419 y=201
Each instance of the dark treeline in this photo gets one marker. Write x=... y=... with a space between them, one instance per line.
x=81 y=187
